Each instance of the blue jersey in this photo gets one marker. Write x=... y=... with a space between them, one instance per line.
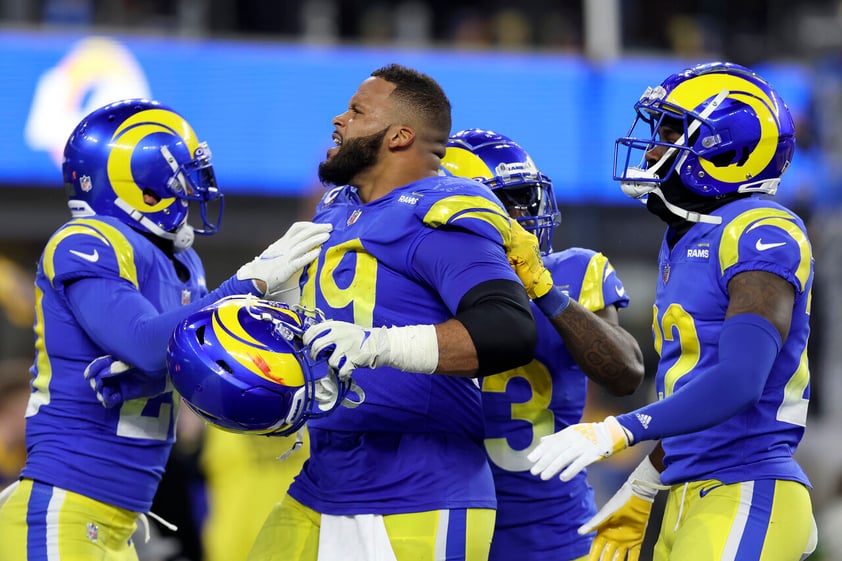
x=537 y=520
x=690 y=305
x=407 y=258
x=113 y=455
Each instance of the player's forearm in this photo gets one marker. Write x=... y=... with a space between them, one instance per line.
x=457 y=354
x=605 y=352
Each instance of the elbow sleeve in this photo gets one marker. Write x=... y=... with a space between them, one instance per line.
x=498 y=317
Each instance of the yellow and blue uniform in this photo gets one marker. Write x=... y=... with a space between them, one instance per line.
x=537 y=520
x=739 y=474
x=101 y=288
x=416 y=444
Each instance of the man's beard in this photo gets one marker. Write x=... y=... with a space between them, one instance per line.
x=354 y=156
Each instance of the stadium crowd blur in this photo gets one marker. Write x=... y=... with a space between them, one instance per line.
x=808 y=31
x=749 y=31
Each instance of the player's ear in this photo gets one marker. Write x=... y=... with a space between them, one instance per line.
x=401 y=136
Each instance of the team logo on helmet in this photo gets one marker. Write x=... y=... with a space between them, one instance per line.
x=737 y=135
x=241 y=365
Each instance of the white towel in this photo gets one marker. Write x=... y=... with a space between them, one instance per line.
x=354 y=538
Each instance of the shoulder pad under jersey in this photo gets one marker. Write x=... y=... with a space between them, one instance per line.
x=767 y=238
x=464 y=204
x=89 y=247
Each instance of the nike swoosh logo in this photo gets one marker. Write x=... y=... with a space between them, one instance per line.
x=92 y=257
x=620 y=290
x=760 y=246
x=706 y=490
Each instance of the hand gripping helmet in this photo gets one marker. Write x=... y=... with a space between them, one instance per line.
x=240 y=364
x=507 y=169
x=738 y=135
x=140 y=161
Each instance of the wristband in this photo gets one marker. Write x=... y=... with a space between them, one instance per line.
x=414 y=348
x=646 y=480
x=553 y=302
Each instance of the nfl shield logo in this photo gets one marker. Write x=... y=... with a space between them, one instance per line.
x=85 y=183
x=185 y=297
x=354 y=216
x=93 y=532
x=666 y=275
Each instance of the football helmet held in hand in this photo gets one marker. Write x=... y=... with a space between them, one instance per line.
x=141 y=162
x=738 y=135
x=505 y=167
x=241 y=365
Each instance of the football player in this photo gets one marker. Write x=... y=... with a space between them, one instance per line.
x=579 y=337
x=112 y=283
x=414 y=280
x=731 y=321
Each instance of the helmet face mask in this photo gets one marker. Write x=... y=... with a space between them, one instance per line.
x=240 y=364
x=737 y=134
x=506 y=168
x=141 y=162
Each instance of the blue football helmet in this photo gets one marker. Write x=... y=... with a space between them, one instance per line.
x=141 y=162
x=240 y=364
x=738 y=135
x=505 y=167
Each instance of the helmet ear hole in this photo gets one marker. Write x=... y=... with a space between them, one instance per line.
x=744 y=158
x=225 y=366
x=200 y=334
x=724 y=159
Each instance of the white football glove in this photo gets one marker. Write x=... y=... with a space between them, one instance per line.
x=413 y=348
x=286 y=256
x=116 y=382
x=621 y=524
x=327 y=392
x=576 y=447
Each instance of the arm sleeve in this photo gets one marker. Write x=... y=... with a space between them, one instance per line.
x=748 y=347
x=122 y=321
x=499 y=320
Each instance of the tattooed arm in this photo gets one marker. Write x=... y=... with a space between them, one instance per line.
x=764 y=294
x=605 y=352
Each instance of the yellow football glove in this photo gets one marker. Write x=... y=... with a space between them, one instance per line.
x=525 y=258
x=621 y=524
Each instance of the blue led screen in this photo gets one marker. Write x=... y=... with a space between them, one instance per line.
x=266 y=108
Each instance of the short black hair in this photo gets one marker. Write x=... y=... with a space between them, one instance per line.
x=420 y=94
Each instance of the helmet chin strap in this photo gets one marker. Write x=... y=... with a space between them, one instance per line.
x=687 y=215
x=182 y=238
x=644 y=188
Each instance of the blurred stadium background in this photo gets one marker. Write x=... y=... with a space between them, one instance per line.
x=260 y=80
